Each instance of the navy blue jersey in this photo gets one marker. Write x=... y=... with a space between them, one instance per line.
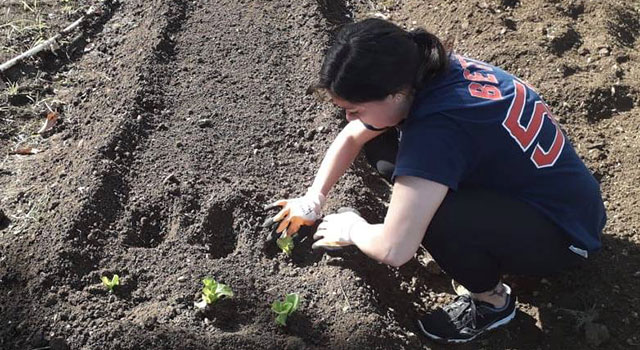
x=478 y=125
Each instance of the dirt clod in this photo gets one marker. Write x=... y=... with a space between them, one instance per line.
x=58 y=344
x=596 y=334
x=205 y=123
x=4 y=220
x=294 y=343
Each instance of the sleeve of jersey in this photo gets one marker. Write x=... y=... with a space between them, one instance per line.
x=437 y=149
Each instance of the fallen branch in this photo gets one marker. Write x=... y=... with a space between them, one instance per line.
x=47 y=43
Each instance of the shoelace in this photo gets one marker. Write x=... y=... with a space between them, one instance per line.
x=462 y=311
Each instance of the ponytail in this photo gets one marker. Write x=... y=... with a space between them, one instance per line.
x=434 y=56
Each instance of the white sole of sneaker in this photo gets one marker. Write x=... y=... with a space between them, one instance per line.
x=499 y=323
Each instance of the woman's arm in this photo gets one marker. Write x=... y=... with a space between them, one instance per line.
x=414 y=201
x=340 y=155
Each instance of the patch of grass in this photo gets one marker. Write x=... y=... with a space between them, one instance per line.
x=30 y=6
x=8 y=49
x=69 y=7
x=33 y=213
x=26 y=29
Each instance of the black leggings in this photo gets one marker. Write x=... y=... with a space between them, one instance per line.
x=477 y=235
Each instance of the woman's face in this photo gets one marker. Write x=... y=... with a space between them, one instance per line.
x=379 y=114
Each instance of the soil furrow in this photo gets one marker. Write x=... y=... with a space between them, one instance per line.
x=94 y=225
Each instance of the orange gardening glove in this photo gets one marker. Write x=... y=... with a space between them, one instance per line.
x=296 y=212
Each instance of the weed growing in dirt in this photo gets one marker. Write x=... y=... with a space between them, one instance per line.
x=110 y=284
x=285 y=308
x=285 y=243
x=212 y=292
x=13 y=89
x=33 y=210
x=69 y=7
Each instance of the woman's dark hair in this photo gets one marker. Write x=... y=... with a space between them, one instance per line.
x=374 y=58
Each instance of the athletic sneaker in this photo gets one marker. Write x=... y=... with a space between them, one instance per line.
x=466 y=318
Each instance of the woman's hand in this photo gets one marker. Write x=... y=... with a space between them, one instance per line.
x=296 y=212
x=335 y=230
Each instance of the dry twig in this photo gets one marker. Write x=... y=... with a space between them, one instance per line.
x=47 y=43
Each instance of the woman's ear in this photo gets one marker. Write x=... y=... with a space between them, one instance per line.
x=401 y=95
x=397 y=97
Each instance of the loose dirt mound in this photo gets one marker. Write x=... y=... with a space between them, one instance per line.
x=181 y=119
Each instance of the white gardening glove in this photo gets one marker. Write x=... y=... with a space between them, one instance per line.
x=335 y=230
x=296 y=212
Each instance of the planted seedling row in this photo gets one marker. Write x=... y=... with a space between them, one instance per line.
x=213 y=291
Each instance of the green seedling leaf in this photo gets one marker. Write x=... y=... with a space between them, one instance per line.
x=285 y=308
x=212 y=292
x=110 y=284
x=294 y=300
x=285 y=243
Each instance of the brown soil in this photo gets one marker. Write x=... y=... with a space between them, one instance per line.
x=181 y=119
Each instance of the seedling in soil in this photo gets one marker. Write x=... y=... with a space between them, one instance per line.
x=212 y=292
x=285 y=243
x=13 y=89
x=110 y=284
x=285 y=308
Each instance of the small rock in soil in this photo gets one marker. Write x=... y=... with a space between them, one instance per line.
x=170 y=178
x=310 y=134
x=150 y=322
x=604 y=51
x=205 y=123
x=596 y=333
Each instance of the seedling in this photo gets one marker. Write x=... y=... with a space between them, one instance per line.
x=212 y=292
x=285 y=308
x=110 y=284
x=285 y=243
